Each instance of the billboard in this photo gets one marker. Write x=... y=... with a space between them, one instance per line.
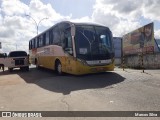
x=139 y=40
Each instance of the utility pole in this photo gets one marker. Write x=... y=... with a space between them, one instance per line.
x=37 y=23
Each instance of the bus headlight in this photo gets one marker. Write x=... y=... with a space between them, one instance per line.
x=83 y=62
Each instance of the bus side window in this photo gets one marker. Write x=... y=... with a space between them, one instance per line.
x=40 y=40
x=44 y=39
x=47 y=38
x=36 y=45
x=56 y=36
x=68 y=42
x=29 y=45
x=5 y=55
x=50 y=37
x=33 y=43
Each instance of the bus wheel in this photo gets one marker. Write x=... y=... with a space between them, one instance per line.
x=26 y=68
x=58 y=68
x=10 y=69
x=36 y=63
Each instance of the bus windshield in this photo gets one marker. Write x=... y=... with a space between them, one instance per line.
x=93 y=42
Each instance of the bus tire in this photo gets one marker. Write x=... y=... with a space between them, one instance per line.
x=21 y=68
x=36 y=63
x=10 y=69
x=27 y=68
x=58 y=68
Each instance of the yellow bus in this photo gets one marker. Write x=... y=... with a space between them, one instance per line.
x=74 y=48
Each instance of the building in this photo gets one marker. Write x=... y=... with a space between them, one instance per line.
x=118 y=49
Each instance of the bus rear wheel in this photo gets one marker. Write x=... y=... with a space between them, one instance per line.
x=36 y=63
x=10 y=69
x=58 y=68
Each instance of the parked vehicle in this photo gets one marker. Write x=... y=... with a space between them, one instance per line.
x=16 y=59
x=74 y=48
x=2 y=56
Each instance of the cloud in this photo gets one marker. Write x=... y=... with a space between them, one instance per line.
x=121 y=9
x=151 y=10
x=107 y=19
x=14 y=7
x=124 y=27
x=17 y=29
x=4 y=32
x=14 y=22
x=121 y=17
x=41 y=10
x=83 y=19
x=157 y=34
x=124 y=16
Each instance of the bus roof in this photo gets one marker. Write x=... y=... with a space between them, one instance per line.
x=71 y=23
x=80 y=23
x=88 y=23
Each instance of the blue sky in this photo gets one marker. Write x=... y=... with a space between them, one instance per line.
x=78 y=8
x=120 y=16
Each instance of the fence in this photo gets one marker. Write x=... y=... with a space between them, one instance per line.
x=150 y=61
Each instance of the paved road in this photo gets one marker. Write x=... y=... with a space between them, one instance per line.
x=129 y=90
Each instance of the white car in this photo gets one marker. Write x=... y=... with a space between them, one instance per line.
x=16 y=59
x=2 y=56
